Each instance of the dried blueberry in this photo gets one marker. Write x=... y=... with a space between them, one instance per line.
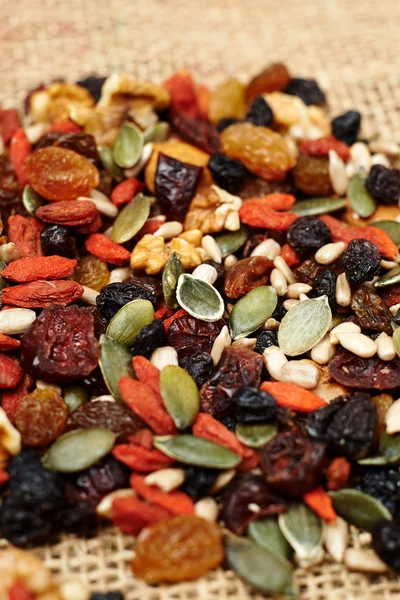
x=325 y=285
x=58 y=240
x=175 y=185
x=383 y=484
x=115 y=295
x=224 y=123
x=227 y=173
x=345 y=127
x=149 y=338
x=22 y=525
x=93 y=85
x=306 y=89
x=198 y=482
x=307 y=234
x=253 y=405
x=260 y=113
x=199 y=366
x=386 y=542
x=384 y=184
x=265 y=340
x=361 y=261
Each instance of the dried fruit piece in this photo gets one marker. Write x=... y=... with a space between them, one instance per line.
x=371 y=311
x=106 y=415
x=361 y=260
x=306 y=89
x=176 y=502
x=273 y=78
x=175 y=185
x=91 y=272
x=345 y=127
x=338 y=473
x=10 y=372
x=227 y=100
x=195 y=131
x=311 y=175
x=289 y=395
x=67 y=213
x=141 y=456
x=41 y=417
x=257 y=213
x=246 y=275
x=105 y=249
x=11 y=399
x=308 y=234
x=42 y=294
x=182 y=89
x=39 y=267
x=384 y=184
x=20 y=150
x=8 y=343
x=25 y=234
x=9 y=123
x=125 y=191
x=364 y=373
x=385 y=542
x=322 y=147
x=131 y=515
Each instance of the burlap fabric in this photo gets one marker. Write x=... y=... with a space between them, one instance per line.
x=350 y=47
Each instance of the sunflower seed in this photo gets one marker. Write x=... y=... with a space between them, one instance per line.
x=302 y=528
x=9 y=252
x=121 y=274
x=166 y=479
x=304 y=326
x=15 y=321
x=129 y=320
x=89 y=295
x=347 y=327
x=35 y=132
x=131 y=219
x=103 y=204
x=365 y=560
x=115 y=362
x=392 y=418
x=274 y=360
x=206 y=508
x=337 y=173
x=222 y=340
x=294 y=290
x=300 y=372
x=359 y=509
x=336 y=538
x=360 y=159
x=268 y=248
x=323 y=351
x=252 y=310
x=360 y=199
x=343 y=290
x=278 y=282
x=380 y=159
x=10 y=436
x=211 y=248
x=169 y=230
x=281 y=265
x=163 y=357
x=199 y=299
x=180 y=395
x=78 y=450
x=385 y=345
x=104 y=508
x=128 y=146
x=329 y=253
x=230 y=260
x=222 y=480
x=255 y=436
x=357 y=343
x=192 y=450
x=267 y=534
x=206 y=273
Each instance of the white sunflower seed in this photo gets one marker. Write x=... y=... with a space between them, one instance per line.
x=281 y=264
x=119 y=275
x=278 y=281
x=9 y=252
x=392 y=418
x=268 y=248
x=103 y=204
x=211 y=248
x=161 y=357
x=206 y=273
x=323 y=351
x=232 y=221
x=343 y=328
x=380 y=159
x=288 y=304
x=358 y=343
x=360 y=158
x=274 y=360
x=343 y=290
x=272 y=324
x=169 y=230
x=300 y=372
x=336 y=538
x=389 y=148
x=71 y=589
x=245 y=343
x=206 y=508
x=222 y=480
x=394 y=309
x=229 y=261
x=89 y=295
x=104 y=398
x=294 y=290
x=222 y=340
x=104 y=508
x=364 y=559
x=388 y=264
x=16 y=320
x=166 y=479
x=385 y=345
x=337 y=173
x=329 y=253
x=10 y=436
x=255 y=508
x=35 y=132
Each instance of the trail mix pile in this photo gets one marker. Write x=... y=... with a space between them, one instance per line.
x=199 y=331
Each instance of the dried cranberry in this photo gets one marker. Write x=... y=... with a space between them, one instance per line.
x=253 y=405
x=199 y=482
x=186 y=333
x=195 y=131
x=106 y=415
x=260 y=112
x=307 y=234
x=93 y=85
x=364 y=373
x=115 y=295
x=228 y=173
x=386 y=542
x=58 y=240
x=199 y=366
x=325 y=285
x=266 y=339
x=361 y=261
x=306 y=89
x=175 y=185
x=371 y=311
x=149 y=338
x=345 y=127
x=384 y=184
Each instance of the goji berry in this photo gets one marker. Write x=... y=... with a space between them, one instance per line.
x=321 y=147
x=390 y=295
x=9 y=123
x=141 y=459
x=147 y=373
x=4 y=477
x=176 y=502
x=32 y=268
x=143 y=437
x=10 y=399
x=126 y=190
x=69 y=213
x=293 y=396
x=319 y=501
x=276 y=201
x=182 y=89
x=338 y=473
x=25 y=232
x=147 y=405
x=93 y=227
x=163 y=313
x=131 y=515
x=64 y=127
x=104 y=248
x=203 y=102
x=168 y=322
x=11 y=372
x=290 y=256
x=20 y=149
x=41 y=294
x=258 y=214
x=8 y=343
x=151 y=226
x=19 y=591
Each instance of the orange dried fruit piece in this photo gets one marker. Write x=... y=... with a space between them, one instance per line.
x=92 y=272
x=33 y=268
x=274 y=78
x=61 y=174
x=227 y=101
x=41 y=417
x=177 y=549
x=263 y=151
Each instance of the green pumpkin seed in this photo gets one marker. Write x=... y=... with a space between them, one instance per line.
x=199 y=298
x=3 y=282
x=259 y=566
x=115 y=362
x=374 y=460
x=192 y=450
x=74 y=396
x=389 y=278
x=302 y=528
x=128 y=146
x=180 y=395
x=31 y=200
x=304 y=325
x=107 y=160
x=389 y=446
x=252 y=310
x=255 y=435
x=158 y=133
x=172 y=271
x=230 y=241
x=318 y=206
x=131 y=219
x=392 y=228
x=359 y=509
x=267 y=534
x=129 y=320
x=79 y=449
x=396 y=340
x=360 y=199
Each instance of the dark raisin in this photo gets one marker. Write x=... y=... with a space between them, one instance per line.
x=384 y=184
x=386 y=542
x=199 y=366
x=58 y=240
x=99 y=322
x=94 y=384
x=306 y=89
x=347 y=424
x=107 y=596
x=256 y=188
x=324 y=284
x=247 y=274
x=224 y=123
x=229 y=421
x=81 y=143
x=266 y=339
x=371 y=311
x=151 y=284
x=253 y=405
x=195 y=131
x=307 y=234
x=186 y=333
x=107 y=415
x=227 y=173
x=308 y=271
x=22 y=526
x=93 y=85
x=76 y=517
x=345 y=127
x=260 y=112
x=149 y=338
x=175 y=185
x=383 y=484
x=199 y=482
x=361 y=261
x=115 y=295
x=280 y=311
x=364 y=373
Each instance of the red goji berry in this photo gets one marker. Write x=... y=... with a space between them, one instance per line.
x=151 y=226
x=147 y=372
x=20 y=149
x=131 y=515
x=104 y=248
x=293 y=396
x=11 y=372
x=9 y=123
x=258 y=214
x=176 y=502
x=10 y=399
x=321 y=147
x=4 y=477
x=19 y=591
x=162 y=313
x=276 y=201
x=182 y=89
x=93 y=227
x=25 y=233
x=8 y=343
x=143 y=437
x=390 y=295
x=319 y=501
x=64 y=127
x=69 y=213
x=290 y=256
x=168 y=322
x=125 y=191
x=338 y=473
x=141 y=459
x=32 y=268
x=41 y=294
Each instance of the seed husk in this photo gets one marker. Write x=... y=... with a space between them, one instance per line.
x=360 y=199
x=74 y=396
x=31 y=200
x=107 y=160
x=79 y=449
x=389 y=278
x=230 y=241
x=172 y=271
x=115 y=362
x=304 y=326
x=192 y=450
x=252 y=310
x=255 y=435
x=128 y=146
x=359 y=509
x=392 y=228
x=318 y=206
x=260 y=567
x=267 y=534
x=302 y=528
x=157 y=133
x=180 y=395
x=129 y=320
x=199 y=298
x=131 y=219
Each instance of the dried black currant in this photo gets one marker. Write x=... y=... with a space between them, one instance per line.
x=199 y=366
x=149 y=338
x=383 y=484
x=307 y=234
x=384 y=184
x=386 y=542
x=260 y=112
x=115 y=295
x=361 y=261
x=345 y=127
x=325 y=285
x=22 y=525
x=266 y=339
x=253 y=405
x=58 y=240
x=224 y=123
x=199 y=482
x=306 y=89
x=227 y=173
x=229 y=421
x=93 y=85
x=175 y=185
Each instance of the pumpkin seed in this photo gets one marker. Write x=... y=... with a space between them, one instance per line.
x=359 y=509
x=392 y=228
x=374 y=460
x=360 y=199
x=74 y=396
x=79 y=449
x=157 y=133
x=115 y=362
x=389 y=446
x=199 y=298
x=267 y=534
x=31 y=200
x=304 y=326
x=107 y=160
x=389 y=278
x=180 y=395
x=172 y=271
x=230 y=241
x=396 y=340
x=255 y=435
x=318 y=206
x=129 y=320
x=252 y=310
x=192 y=450
x=128 y=146
x=259 y=566
x=131 y=219
x=302 y=528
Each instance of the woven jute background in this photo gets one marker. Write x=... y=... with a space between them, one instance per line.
x=351 y=48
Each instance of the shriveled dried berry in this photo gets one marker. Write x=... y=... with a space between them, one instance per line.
x=324 y=284
x=306 y=89
x=273 y=78
x=115 y=295
x=187 y=332
x=107 y=415
x=361 y=261
x=308 y=271
x=307 y=234
x=383 y=484
x=199 y=482
x=386 y=542
x=372 y=312
x=41 y=417
x=257 y=188
x=260 y=113
x=58 y=240
x=92 y=272
x=149 y=338
x=81 y=143
x=364 y=373
x=199 y=365
x=93 y=85
x=25 y=234
x=10 y=372
x=175 y=185
x=345 y=127
x=266 y=339
x=227 y=172
x=196 y=131
x=246 y=275
x=92 y=484
x=253 y=405
x=384 y=184
x=311 y=175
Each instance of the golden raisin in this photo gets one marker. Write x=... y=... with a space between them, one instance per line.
x=92 y=272
x=382 y=403
x=263 y=151
x=311 y=175
x=274 y=78
x=227 y=100
x=177 y=549
x=61 y=174
x=41 y=417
